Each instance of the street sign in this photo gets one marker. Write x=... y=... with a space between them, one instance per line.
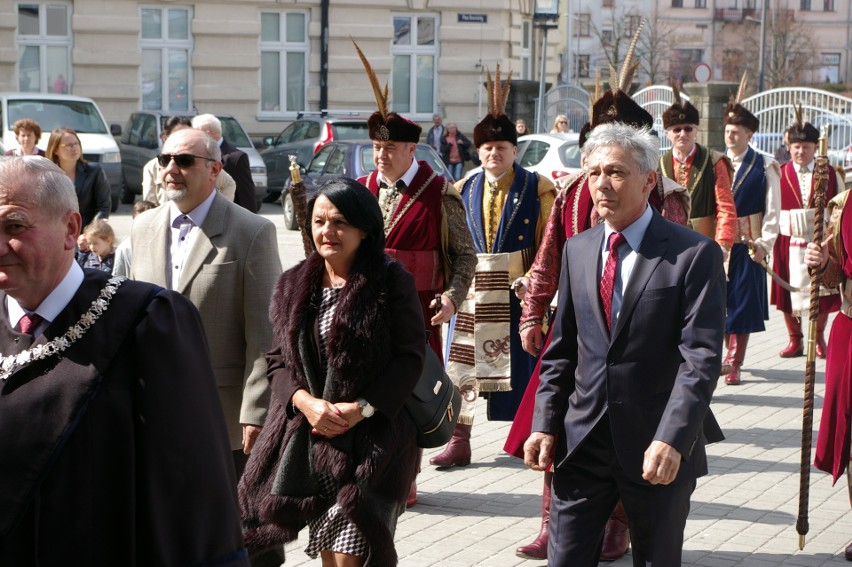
x=473 y=18
x=702 y=73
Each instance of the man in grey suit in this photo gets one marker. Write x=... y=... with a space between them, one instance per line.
x=225 y=260
x=623 y=405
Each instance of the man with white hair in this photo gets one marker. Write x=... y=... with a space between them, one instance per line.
x=113 y=430
x=234 y=161
x=621 y=411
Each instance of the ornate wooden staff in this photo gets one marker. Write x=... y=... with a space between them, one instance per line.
x=822 y=170
x=300 y=206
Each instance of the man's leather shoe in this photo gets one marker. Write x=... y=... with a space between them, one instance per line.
x=733 y=377
x=457 y=453
x=538 y=548
x=848 y=553
x=617 y=536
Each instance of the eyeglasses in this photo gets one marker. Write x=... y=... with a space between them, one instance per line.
x=181 y=160
x=687 y=129
x=70 y=146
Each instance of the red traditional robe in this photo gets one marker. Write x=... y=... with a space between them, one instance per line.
x=791 y=198
x=413 y=237
x=832 y=449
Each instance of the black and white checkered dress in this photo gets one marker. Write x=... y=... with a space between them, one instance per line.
x=332 y=531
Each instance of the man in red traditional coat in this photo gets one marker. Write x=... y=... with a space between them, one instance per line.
x=704 y=172
x=835 y=428
x=796 y=227
x=425 y=227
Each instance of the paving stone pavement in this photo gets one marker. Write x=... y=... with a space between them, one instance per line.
x=743 y=512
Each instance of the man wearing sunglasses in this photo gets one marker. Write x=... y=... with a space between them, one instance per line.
x=225 y=260
x=704 y=172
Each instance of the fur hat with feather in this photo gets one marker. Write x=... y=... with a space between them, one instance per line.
x=496 y=126
x=736 y=113
x=383 y=124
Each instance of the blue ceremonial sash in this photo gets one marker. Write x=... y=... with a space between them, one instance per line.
x=518 y=220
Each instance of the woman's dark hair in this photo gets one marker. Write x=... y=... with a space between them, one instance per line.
x=361 y=209
x=172 y=121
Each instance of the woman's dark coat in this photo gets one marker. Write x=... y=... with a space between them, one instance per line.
x=93 y=192
x=376 y=348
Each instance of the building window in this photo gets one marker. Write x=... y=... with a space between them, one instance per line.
x=584 y=25
x=526 y=49
x=414 y=51
x=606 y=37
x=683 y=62
x=166 y=45
x=700 y=3
x=828 y=5
x=44 y=43
x=582 y=65
x=677 y=3
x=632 y=25
x=606 y=4
x=806 y=6
x=283 y=62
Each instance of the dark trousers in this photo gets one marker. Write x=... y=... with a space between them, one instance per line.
x=585 y=491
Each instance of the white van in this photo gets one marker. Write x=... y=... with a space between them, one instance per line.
x=65 y=111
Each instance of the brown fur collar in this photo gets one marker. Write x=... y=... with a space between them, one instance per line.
x=376 y=458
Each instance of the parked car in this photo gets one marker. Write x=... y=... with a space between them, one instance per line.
x=550 y=155
x=348 y=159
x=141 y=142
x=767 y=142
x=304 y=138
x=839 y=137
x=65 y=111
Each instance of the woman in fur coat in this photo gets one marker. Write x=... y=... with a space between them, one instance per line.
x=338 y=452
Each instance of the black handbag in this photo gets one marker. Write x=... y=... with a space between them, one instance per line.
x=434 y=404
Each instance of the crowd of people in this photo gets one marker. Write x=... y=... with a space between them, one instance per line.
x=182 y=366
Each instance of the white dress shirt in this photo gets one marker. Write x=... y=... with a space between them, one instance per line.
x=627 y=255
x=52 y=305
x=179 y=248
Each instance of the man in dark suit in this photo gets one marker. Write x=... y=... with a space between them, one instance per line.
x=623 y=405
x=235 y=162
x=113 y=430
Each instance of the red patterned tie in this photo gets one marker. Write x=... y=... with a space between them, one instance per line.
x=28 y=323
x=616 y=239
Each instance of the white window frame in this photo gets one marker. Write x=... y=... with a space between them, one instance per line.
x=283 y=47
x=164 y=44
x=43 y=41
x=414 y=50
x=525 y=49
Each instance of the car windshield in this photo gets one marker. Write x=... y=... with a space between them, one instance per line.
x=234 y=133
x=569 y=154
x=350 y=131
x=80 y=116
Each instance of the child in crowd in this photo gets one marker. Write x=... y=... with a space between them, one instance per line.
x=101 y=240
x=122 y=253
x=82 y=249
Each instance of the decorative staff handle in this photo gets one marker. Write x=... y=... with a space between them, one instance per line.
x=300 y=205
x=822 y=170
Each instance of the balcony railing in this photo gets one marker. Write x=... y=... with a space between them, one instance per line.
x=738 y=15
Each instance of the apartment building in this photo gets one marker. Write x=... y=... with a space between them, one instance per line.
x=264 y=61
x=806 y=41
